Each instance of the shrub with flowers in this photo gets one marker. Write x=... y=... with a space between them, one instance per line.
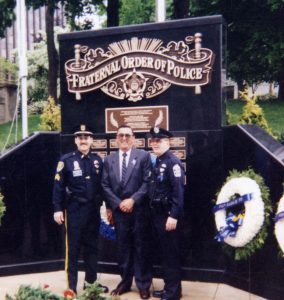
x=252 y=112
x=51 y=116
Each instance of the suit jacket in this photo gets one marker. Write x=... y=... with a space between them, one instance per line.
x=136 y=178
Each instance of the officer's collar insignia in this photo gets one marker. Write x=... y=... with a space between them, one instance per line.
x=156 y=129
x=76 y=165
x=83 y=127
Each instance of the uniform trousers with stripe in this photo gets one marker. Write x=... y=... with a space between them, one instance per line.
x=82 y=229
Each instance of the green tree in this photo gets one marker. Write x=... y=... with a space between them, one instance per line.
x=7 y=15
x=137 y=11
x=255 y=35
x=38 y=67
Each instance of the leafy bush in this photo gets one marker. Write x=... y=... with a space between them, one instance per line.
x=8 y=70
x=26 y=292
x=252 y=112
x=93 y=292
x=51 y=117
x=36 y=108
x=38 y=66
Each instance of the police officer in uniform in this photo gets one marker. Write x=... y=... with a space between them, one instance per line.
x=76 y=201
x=166 y=192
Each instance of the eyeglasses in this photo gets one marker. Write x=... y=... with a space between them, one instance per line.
x=122 y=135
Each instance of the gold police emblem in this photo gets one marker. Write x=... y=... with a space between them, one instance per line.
x=60 y=166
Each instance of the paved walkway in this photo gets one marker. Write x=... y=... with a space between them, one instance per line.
x=56 y=281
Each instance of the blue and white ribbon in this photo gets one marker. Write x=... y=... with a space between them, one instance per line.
x=233 y=222
x=232 y=203
x=279 y=216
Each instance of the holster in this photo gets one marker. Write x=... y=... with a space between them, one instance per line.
x=72 y=197
x=160 y=204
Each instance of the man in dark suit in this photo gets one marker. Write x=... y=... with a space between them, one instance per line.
x=125 y=178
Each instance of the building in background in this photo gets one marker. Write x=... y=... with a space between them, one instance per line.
x=35 y=24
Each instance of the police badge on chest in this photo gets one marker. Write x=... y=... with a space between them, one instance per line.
x=77 y=170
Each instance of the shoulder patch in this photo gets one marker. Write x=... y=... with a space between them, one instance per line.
x=60 y=166
x=177 y=170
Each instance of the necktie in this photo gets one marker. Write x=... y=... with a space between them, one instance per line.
x=123 y=168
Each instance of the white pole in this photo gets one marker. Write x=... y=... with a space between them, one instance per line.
x=160 y=10
x=23 y=68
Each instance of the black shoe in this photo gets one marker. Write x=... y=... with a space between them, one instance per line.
x=119 y=291
x=144 y=294
x=103 y=287
x=159 y=294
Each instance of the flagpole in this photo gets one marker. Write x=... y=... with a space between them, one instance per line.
x=160 y=10
x=23 y=68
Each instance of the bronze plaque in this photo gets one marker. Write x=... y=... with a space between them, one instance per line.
x=99 y=144
x=140 y=143
x=177 y=142
x=181 y=154
x=140 y=118
x=112 y=144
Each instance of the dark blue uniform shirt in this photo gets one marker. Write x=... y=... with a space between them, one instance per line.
x=168 y=182
x=80 y=176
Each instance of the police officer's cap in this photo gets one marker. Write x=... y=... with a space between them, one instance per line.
x=83 y=130
x=159 y=133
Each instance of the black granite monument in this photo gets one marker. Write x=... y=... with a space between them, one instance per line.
x=163 y=74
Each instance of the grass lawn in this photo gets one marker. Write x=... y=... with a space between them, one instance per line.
x=33 y=124
x=273 y=112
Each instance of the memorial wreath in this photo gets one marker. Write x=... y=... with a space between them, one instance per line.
x=2 y=207
x=279 y=223
x=242 y=213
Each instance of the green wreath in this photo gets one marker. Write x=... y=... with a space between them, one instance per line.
x=257 y=242
x=2 y=207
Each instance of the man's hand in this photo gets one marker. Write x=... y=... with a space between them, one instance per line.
x=171 y=224
x=58 y=217
x=109 y=216
x=126 y=205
